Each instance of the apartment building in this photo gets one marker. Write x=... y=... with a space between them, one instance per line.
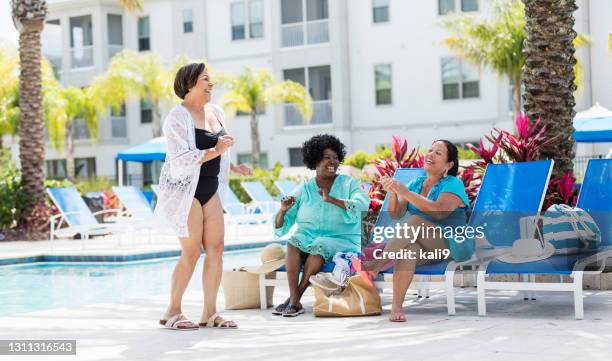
x=374 y=68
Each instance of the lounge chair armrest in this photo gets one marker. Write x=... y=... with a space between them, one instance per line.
x=599 y=256
x=105 y=211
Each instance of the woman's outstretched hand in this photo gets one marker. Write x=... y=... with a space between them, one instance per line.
x=243 y=170
x=287 y=203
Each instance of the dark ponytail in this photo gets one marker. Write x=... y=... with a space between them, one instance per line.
x=452 y=156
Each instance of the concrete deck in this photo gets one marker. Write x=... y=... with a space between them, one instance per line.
x=513 y=330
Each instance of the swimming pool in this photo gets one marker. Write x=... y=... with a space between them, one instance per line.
x=34 y=287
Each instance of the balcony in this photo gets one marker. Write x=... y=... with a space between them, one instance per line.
x=321 y=114
x=314 y=32
x=82 y=57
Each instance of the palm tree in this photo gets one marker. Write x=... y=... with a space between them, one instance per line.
x=251 y=90
x=29 y=18
x=132 y=75
x=497 y=43
x=63 y=106
x=549 y=76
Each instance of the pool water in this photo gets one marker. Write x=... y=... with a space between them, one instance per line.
x=34 y=287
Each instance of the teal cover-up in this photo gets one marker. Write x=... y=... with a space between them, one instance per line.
x=460 y=250
x=324 y=228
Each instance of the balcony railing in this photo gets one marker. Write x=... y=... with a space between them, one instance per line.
x=321 y=114
x=310 y=32
x=82 y=57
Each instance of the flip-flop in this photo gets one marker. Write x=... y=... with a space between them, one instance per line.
x=278 y=310
x=223 y=325
x=174 y=323
x=298 y=311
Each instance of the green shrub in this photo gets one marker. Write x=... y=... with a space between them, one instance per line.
x=465 y=153
x=358 y=159
x=95 y=184
x=13 y=199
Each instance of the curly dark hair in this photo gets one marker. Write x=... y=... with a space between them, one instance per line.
x=312 y=149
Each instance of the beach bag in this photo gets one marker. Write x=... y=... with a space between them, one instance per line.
x=570 y=229
x=241 y=290
x=356 y=299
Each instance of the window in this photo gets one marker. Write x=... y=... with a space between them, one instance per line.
x=84 y=167
x=80 y=129
x=146 y=111
x=240 y=12
x=81 y=42
x=448 y=6
x=380 y=11
x=187 y=21
x=51 y=42
x=56 y=168
x=246 y=158
x=238 y=19
x=144 y=37
x=382 y=82
x=317 y=80
x=118 y=123
x=115 y=34
x=469 y=5
x=459 y=80
x=304 y=22
x=295 y=157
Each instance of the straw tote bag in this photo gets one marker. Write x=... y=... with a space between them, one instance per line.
x=357 y=299
x=241 y=290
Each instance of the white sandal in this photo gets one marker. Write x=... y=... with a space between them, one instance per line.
x=221 y=325
x=175 y=323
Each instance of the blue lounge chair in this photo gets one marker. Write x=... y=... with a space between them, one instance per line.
x=134 y=201
x=237 y=213
x=76 y=218
x=518 y=188
x=596 y=198
x=286 y=187
x=261 y=198
x=155 y=188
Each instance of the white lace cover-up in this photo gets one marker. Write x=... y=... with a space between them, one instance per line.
x=181 y=170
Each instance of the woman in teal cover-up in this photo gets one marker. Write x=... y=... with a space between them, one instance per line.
x=327 y=210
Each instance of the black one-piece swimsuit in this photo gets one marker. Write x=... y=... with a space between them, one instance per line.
x=209 y=171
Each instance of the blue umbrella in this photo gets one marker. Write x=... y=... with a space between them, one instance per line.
x=593 y=125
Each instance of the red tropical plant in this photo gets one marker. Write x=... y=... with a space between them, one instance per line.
x=561 y=191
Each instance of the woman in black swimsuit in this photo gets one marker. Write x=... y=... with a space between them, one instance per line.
x=205 y=220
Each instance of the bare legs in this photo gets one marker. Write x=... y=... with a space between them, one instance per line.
x=293 y=264
x=206 y=229
x=190 y=253
x=405 y=268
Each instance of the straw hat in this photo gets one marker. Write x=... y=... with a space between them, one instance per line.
x=272 y=258
x=527 y=250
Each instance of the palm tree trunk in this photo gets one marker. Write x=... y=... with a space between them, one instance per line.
x=255 y=146
x=31 y=130
x=69 y=149
x=156 y=119
x=549 y=75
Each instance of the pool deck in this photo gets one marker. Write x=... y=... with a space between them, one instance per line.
x=513 y=330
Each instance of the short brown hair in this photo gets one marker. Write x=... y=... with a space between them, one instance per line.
x=187 y=77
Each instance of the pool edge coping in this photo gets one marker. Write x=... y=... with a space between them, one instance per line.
x=119 y=258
